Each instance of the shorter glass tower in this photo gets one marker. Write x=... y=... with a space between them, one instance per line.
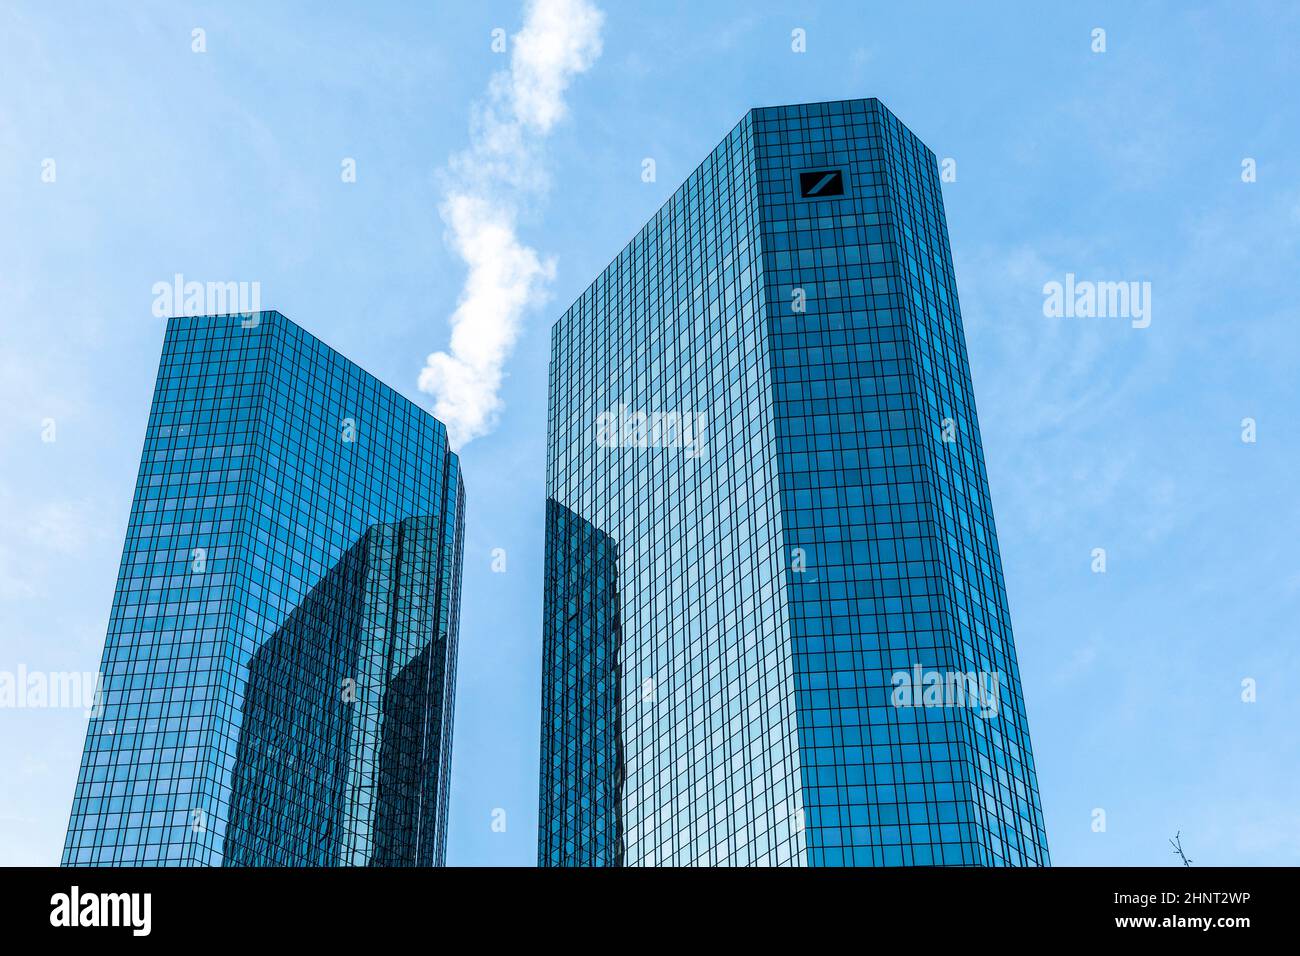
x=278 y=679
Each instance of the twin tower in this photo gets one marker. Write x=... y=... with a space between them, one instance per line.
x=775 y=625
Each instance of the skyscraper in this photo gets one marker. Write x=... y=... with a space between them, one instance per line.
x=775 y=622
x=278 y=678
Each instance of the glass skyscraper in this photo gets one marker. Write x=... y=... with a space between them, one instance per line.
x=775 y=623
x=278 y=678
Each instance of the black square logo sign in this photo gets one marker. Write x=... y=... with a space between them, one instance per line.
x=821 y=183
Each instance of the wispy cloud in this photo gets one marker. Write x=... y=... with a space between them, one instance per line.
x=38 y=538
x=487 y=186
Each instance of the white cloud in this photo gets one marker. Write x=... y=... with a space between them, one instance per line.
x=487 y=186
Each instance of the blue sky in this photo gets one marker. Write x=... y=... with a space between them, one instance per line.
x=1118 y=166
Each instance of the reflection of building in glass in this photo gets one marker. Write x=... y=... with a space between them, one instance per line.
x=296 y=524
x=582 y=750
x=343 y=755
x=827 y=527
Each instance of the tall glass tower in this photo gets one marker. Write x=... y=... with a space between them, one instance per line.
x=776 y=629
x=278 y=679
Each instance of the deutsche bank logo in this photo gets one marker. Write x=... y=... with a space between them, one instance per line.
x=821 y=183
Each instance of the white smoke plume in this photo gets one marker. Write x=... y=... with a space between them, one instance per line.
x=487 y=185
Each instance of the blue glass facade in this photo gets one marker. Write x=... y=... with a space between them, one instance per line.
x=763 y=429
x=279 y=672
